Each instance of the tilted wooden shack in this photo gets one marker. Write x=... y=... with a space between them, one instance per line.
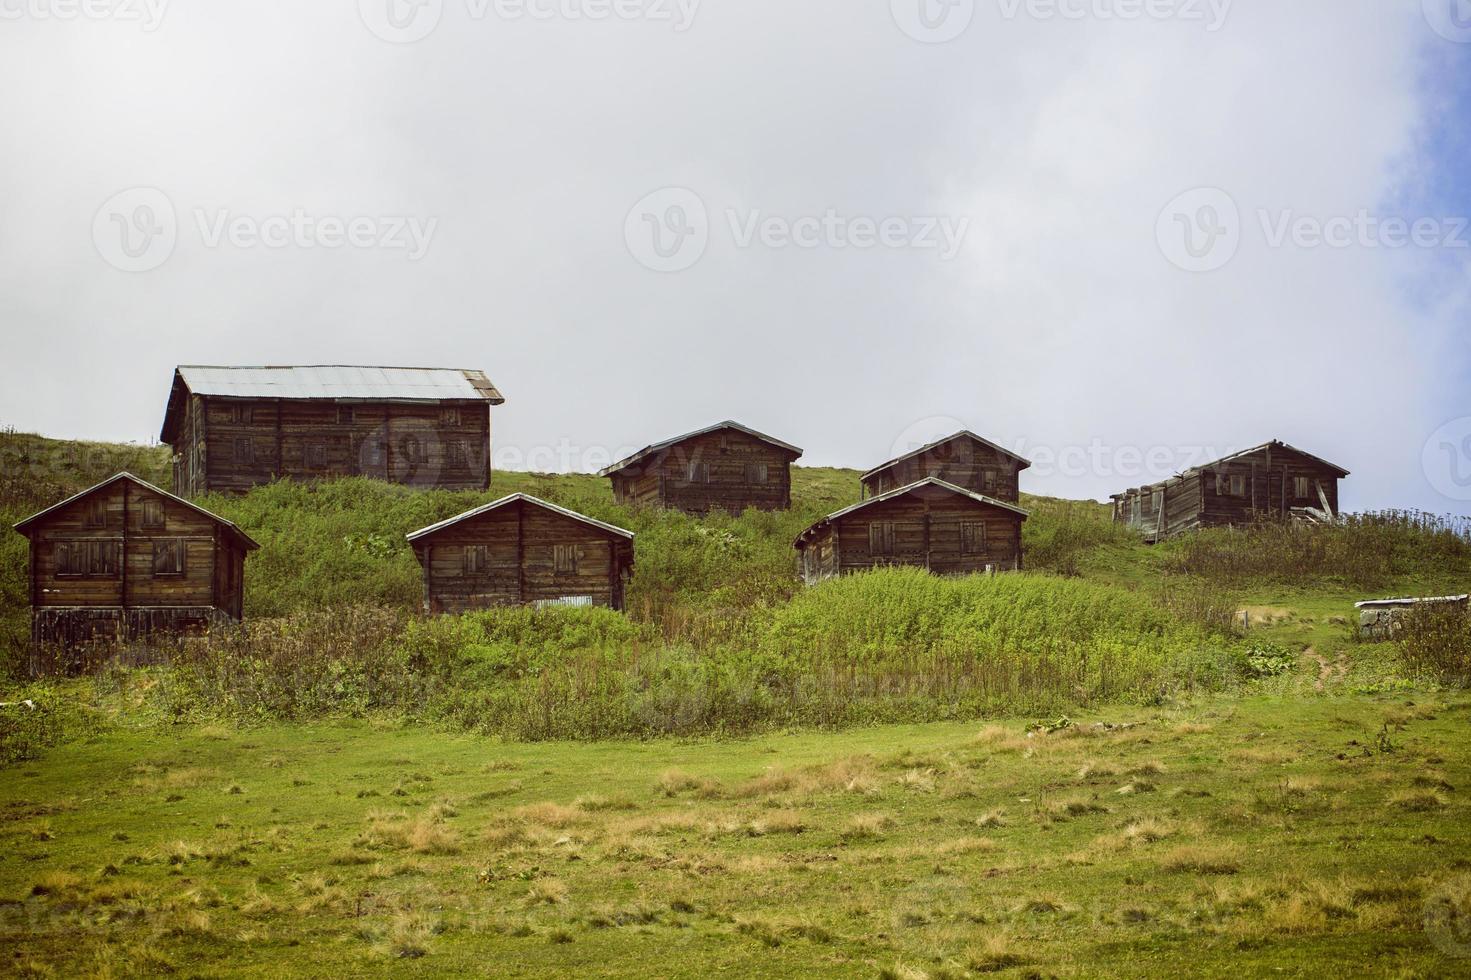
x=1270 y=482
x=522 y=551
x=726 y=466
x=124 y=559
x=929 y=524
x=232 y=428
x=964 y=460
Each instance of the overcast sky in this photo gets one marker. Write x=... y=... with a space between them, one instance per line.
x=1118 y=235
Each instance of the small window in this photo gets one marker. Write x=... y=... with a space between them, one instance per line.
x=564 y=558
x=449 y=416
x=476 y=558
x=758 y=473
x=316 y=456
x=344 y=415
x=455 y=455
x=881 y=539
x=1303 y=487
x=87 y=559
x=244 y=450
x=95 y=514
x=153 y=519
x=973 y=538
x=1230 y=486
x=699 y=472
x=238 y=413
x=1238 y=486
x=168 y=557
x=1157 y=502
x=988 y=480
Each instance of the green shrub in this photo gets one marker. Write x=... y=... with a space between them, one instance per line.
x=1436 y=642
x=1262 y=660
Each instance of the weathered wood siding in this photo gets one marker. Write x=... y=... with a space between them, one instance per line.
x=963 y=462
x=521 y=543
x=1262 y=485
x=131 y=589
x=233 y=444
x=926 y=532
x=725 y=470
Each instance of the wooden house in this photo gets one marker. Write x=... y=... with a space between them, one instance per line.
x=522 y=551
x=930 y=524
x=125 y=559
x=964 y=460
x=1271 y=482
x=723 y=467
x=232 y=428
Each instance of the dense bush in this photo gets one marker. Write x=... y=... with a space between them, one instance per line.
x=1436 y=641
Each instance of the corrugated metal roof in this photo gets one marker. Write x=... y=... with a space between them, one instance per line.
x=659 y=447
x=436 y=528
x=1196 y=470
x=901 y=491
x=245 y=539
x=340 y=381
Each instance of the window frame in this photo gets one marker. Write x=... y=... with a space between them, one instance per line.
x=148 y=509
x=457 y=455
x=968 y=532
x=94 y=513
x=883 y=539
x=474 y=559
x=310 y=454
x=89 y=549
x=565 y=558
x=449 y=416
x=758 y=473
x=181 y=554
x=698 y=471
x=1302 y=487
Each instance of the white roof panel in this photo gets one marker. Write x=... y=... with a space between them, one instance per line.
x=339 y=381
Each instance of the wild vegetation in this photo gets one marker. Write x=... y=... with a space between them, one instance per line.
x=1132 y=760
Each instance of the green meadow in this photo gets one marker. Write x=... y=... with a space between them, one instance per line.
x=1128 y=761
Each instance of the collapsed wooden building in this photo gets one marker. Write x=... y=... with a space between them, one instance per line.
x=929 y=524
x=232 y=428
x=964 y=460
x=125 y=559
x=1273 y=481
x=522 y=551
x=726 y=466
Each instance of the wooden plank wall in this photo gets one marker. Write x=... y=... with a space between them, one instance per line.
x=965 y=463
x=664 y=478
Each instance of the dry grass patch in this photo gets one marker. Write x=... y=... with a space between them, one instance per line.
x=1418 y=801
x=674 y=782
x=867 y=826
x=1199 y=859
x=918 y=780
x=548 y=891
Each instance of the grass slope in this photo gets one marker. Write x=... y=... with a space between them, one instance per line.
x=1272 y=834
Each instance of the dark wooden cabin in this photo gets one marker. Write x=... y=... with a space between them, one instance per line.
x=522 y=551
x=724 y=467
x=125 y=559
x=964 y=460
x=232 y=428
x=930 y=524
x=1271 y=482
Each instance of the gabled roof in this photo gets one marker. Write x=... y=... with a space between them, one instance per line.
x=962 y=434
x=932 y=481
x=244 y=539
x=659 y=447
x=514 y=498
x=332 y=382
x=1196 y=470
